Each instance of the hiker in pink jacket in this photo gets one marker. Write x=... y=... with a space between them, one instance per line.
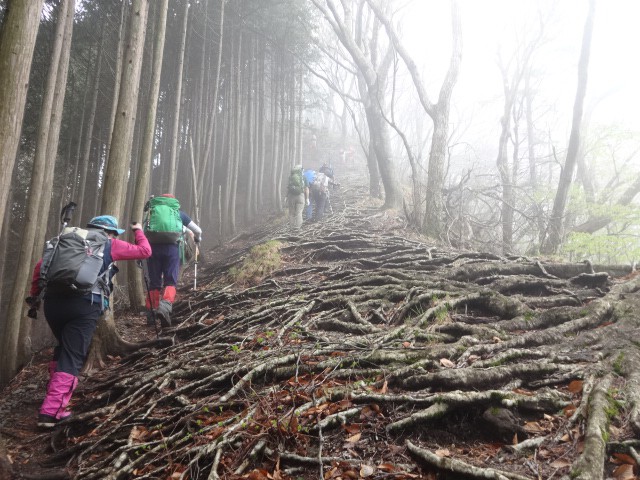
x=73 y=319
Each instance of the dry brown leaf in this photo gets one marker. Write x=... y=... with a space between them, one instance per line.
x=565 y=438
x=350 y=474
x=445 y=362
x=387 y=467
x=471 y=359
x=533 y=427
x=575 y=386
x=330 y=473
x=385 y=387
x=352 y=428
x=354 y=438
x=624 y=472
x=569 y=410
x=560 y=463
x=366 y=471
x=406 y=344
x=522 y=391
x=443 y=452
x=623 y=458
x=514 y=441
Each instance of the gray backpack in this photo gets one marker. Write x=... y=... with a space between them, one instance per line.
x=72 y=262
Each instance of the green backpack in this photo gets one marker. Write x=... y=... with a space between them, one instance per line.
x=163 y=223
x=296 y=183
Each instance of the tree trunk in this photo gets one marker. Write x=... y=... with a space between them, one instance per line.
x=38 y=191
x=88 y=139
x=106 y=340
x=555 y=229
x=117 y=79
x=143 y=177
x=17 y=42
x=171 y=182
x=115 y=178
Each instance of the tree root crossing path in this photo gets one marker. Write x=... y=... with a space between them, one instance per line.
x=367 y=352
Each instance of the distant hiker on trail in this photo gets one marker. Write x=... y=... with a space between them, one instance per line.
x=327 y=169
x=309 y=176
x=74 y=279
x=320 y=194
x=297 y=196
x=165 y=226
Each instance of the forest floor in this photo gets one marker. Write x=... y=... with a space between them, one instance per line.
x=354 y=348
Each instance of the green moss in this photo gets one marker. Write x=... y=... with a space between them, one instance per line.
x=530 y=315
x=260 y=262
x=617 y=364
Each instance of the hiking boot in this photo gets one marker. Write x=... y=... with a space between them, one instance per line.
x=47 y=421
x=164 y=313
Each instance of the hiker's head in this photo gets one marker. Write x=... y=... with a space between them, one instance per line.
x=108 y=223
x=168 y=195
x=298 y=167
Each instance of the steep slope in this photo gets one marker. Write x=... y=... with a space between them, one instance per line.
x=352 y=349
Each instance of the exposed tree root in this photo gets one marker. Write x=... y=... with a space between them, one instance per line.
x=366 y=345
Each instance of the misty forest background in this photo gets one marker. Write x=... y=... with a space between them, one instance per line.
x=104 y=102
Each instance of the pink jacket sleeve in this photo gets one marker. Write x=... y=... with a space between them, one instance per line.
x=121 y=250
x=35 y=287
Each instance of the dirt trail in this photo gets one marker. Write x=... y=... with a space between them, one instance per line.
x=356 y=349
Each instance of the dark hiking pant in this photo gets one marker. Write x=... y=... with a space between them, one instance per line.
x=164 y=265
x=73 y=321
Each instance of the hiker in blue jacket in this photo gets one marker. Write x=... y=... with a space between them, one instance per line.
x=309 y=176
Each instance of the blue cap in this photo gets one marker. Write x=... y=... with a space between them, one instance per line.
x=106 y=222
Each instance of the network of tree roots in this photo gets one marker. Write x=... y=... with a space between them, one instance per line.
x=367 y=353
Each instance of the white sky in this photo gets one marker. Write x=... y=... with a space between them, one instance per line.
x=614 y=65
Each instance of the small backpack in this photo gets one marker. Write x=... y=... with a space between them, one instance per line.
x=163 y=223
x=73 y=263
x=296 y=183
x=320 y=183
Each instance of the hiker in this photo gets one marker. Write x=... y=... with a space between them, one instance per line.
x=320 y=193
x=297 y=196
x=73 y=317
x=165 y=226
x=327 y=169
x=310 y=176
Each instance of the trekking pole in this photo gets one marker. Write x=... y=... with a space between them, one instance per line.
x=146 y=283
x=66 y=213
x=195 y=268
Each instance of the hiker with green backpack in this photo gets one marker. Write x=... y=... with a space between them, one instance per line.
x=297 y=196
x=165 y=226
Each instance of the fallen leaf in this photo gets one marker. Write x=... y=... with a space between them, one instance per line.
x=352 y=428
x=350 y=474
x=522 y=391
x=406 y=344
x=445 y=362
x=533 y=427
x=496 y=339
x=575 y=386
x=354 y=438
x=443 y=452
x=623 y=458
x=366 y=471
x=560 y=463
x=515 y=439
x=624 y=472
x=471 y=359
x=386 y=467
